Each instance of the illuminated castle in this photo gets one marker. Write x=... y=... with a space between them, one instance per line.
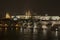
x=28 y=15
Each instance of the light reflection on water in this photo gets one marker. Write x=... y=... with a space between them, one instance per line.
x=28 y=34
x=56 y=33
x=44 y=32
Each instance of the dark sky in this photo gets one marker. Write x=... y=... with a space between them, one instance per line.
x=39 y=7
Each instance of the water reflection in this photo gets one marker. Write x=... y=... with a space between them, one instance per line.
x=28 y=34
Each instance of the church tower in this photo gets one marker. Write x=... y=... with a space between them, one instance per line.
x=7 y=15
x=28 y=14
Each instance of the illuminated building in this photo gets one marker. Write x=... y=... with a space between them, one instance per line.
x=7 y=15
x=53 y=19
x=28 y=15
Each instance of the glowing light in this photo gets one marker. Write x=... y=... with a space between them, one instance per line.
x=55 y=18
x=16 y=28
x=28 y=14
x=18 y=16
x=5 y=29
x=15 y=19
x=44 y=26
x=6 y=25
x=45 y=17
x=17 y=25
x=7 y=15
x=12 y=16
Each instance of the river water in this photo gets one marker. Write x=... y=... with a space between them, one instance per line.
x=28 y=34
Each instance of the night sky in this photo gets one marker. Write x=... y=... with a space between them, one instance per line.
x=37 y=7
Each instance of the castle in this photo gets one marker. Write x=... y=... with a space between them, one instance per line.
x=29 y=15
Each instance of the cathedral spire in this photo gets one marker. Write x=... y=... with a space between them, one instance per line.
x=28 y=13
x=7 y=15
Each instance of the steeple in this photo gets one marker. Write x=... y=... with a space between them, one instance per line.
x=7 y=15
x=28 y=13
